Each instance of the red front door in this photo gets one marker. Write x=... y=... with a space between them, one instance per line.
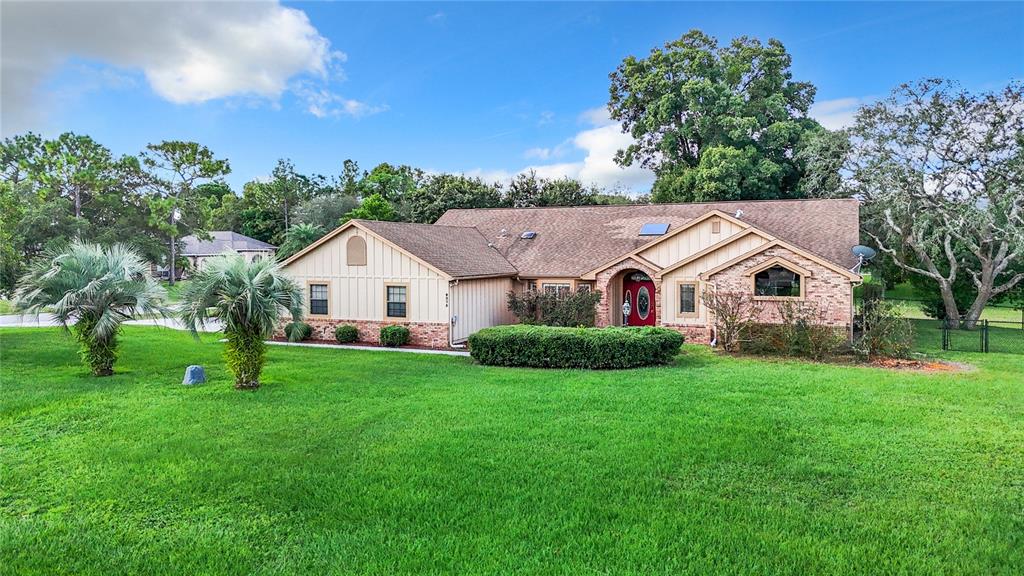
x=638 y=290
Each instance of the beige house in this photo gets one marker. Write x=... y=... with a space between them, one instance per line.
x=198 y=250
x=651 y=263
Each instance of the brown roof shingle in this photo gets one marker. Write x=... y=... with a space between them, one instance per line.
x=459 y=251
x=571 y=241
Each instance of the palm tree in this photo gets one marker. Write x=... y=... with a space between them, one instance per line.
x=96 y=289
x=249 y=297
x=298 y=237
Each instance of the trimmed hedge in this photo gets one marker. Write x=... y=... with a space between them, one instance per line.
x=394 y=336
x=591 y=348
x=298 y=331
x=346 y=333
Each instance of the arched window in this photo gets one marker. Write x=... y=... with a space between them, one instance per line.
x=355 y=251
x=777 y=281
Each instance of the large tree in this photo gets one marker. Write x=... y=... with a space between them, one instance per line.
x=440 y=192
x=941 y=174
x=714 y=122
x=175 y=169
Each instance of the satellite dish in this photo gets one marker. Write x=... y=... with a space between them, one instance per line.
x=865 y=253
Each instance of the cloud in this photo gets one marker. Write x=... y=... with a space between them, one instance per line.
x=836 y=114
x=323 y=103
x=188 y=52
x=437 y=18
x=545 y=117
x=598 y=143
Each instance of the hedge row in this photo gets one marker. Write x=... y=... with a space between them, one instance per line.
x=591 y=348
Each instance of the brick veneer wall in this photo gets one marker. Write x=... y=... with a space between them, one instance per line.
x=604 y=284
x=426 y=334
x=692 y=333
x=828 y=290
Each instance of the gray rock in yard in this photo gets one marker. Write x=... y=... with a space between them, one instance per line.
x=194 y=375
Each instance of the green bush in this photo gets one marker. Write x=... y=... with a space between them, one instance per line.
x=884 y=332
x=298 y=331
x=346 y=333
x=394 y=336
x=591 y=348
x=800 y=340
x=550 y=309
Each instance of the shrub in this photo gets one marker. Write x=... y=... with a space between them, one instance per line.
x=559 y=347
x=550 y=309
x=884 y=332
x=734 y=314
x=298 y=331
x=394 y=336
x=346 y=333
x=801 y=340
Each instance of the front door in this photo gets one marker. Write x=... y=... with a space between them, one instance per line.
x=638 y=290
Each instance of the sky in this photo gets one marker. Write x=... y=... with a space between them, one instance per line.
x=484 y=89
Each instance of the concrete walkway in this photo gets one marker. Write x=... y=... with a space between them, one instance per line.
x=371 y=348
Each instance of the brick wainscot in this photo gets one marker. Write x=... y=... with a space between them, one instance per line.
x=425 y=334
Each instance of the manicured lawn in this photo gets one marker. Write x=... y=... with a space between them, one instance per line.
x=174 y=292
x=371 y=462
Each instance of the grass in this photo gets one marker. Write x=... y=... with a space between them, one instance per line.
x=7 y=307
x=372 y=462
x=175 y=291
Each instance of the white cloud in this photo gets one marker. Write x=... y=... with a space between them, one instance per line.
x=598 y=143
x=188 y=52
x=545 y=117
x=323 y=103
x=835 y=114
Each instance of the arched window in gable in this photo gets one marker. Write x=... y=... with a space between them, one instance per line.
x=355 y=251
x=778 y=281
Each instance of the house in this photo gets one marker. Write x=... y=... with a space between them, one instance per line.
x=449 y=279
x=197 y=250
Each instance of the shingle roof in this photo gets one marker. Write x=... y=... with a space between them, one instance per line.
x=571 y=241
x=458 y=251
x=223 y=240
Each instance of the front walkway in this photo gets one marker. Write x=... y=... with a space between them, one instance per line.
x=372 y=348
x=47 y=320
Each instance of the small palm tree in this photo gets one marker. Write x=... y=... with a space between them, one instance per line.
x=96 y=289
x=250 y=299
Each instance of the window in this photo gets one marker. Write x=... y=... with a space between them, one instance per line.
x=687 y=298
x=777 y=281
x=257 y=258
x=318 y=299
x=584 y=286
x=397 y=300
x=557 y=289
x=355 y=251
x=531 y=285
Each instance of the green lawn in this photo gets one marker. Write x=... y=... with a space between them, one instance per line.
x=373 y=462
x=174 y=292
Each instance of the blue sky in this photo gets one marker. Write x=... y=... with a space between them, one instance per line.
x=486 y=89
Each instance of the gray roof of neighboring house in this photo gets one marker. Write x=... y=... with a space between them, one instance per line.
x=571 y=241
x=460 y=252
x=223 y=241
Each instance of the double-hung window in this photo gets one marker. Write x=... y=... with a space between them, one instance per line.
x=687 y=298
x=318 y=299
x=397 y=297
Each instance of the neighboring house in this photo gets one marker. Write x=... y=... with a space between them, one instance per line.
x=197 y=250
x=449 y=279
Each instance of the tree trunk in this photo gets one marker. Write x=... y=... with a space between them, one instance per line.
x=172 y=262
x=970 y=320
x=949 y=302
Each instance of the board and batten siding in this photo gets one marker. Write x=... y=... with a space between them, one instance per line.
x=690 y=241
x=357 y=292
x=478 y=304
x=690 y=272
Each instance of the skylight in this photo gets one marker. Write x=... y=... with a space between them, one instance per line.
x=653 y=229
x=528 y=235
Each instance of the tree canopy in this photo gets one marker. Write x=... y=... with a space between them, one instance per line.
x=714 y=122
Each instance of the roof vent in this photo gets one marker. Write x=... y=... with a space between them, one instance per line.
x=528 y=235
x=651 y=229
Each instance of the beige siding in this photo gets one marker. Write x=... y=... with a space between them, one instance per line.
x=692 y=271
x=477 y=304
x=689 y=242
x=357 y=292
